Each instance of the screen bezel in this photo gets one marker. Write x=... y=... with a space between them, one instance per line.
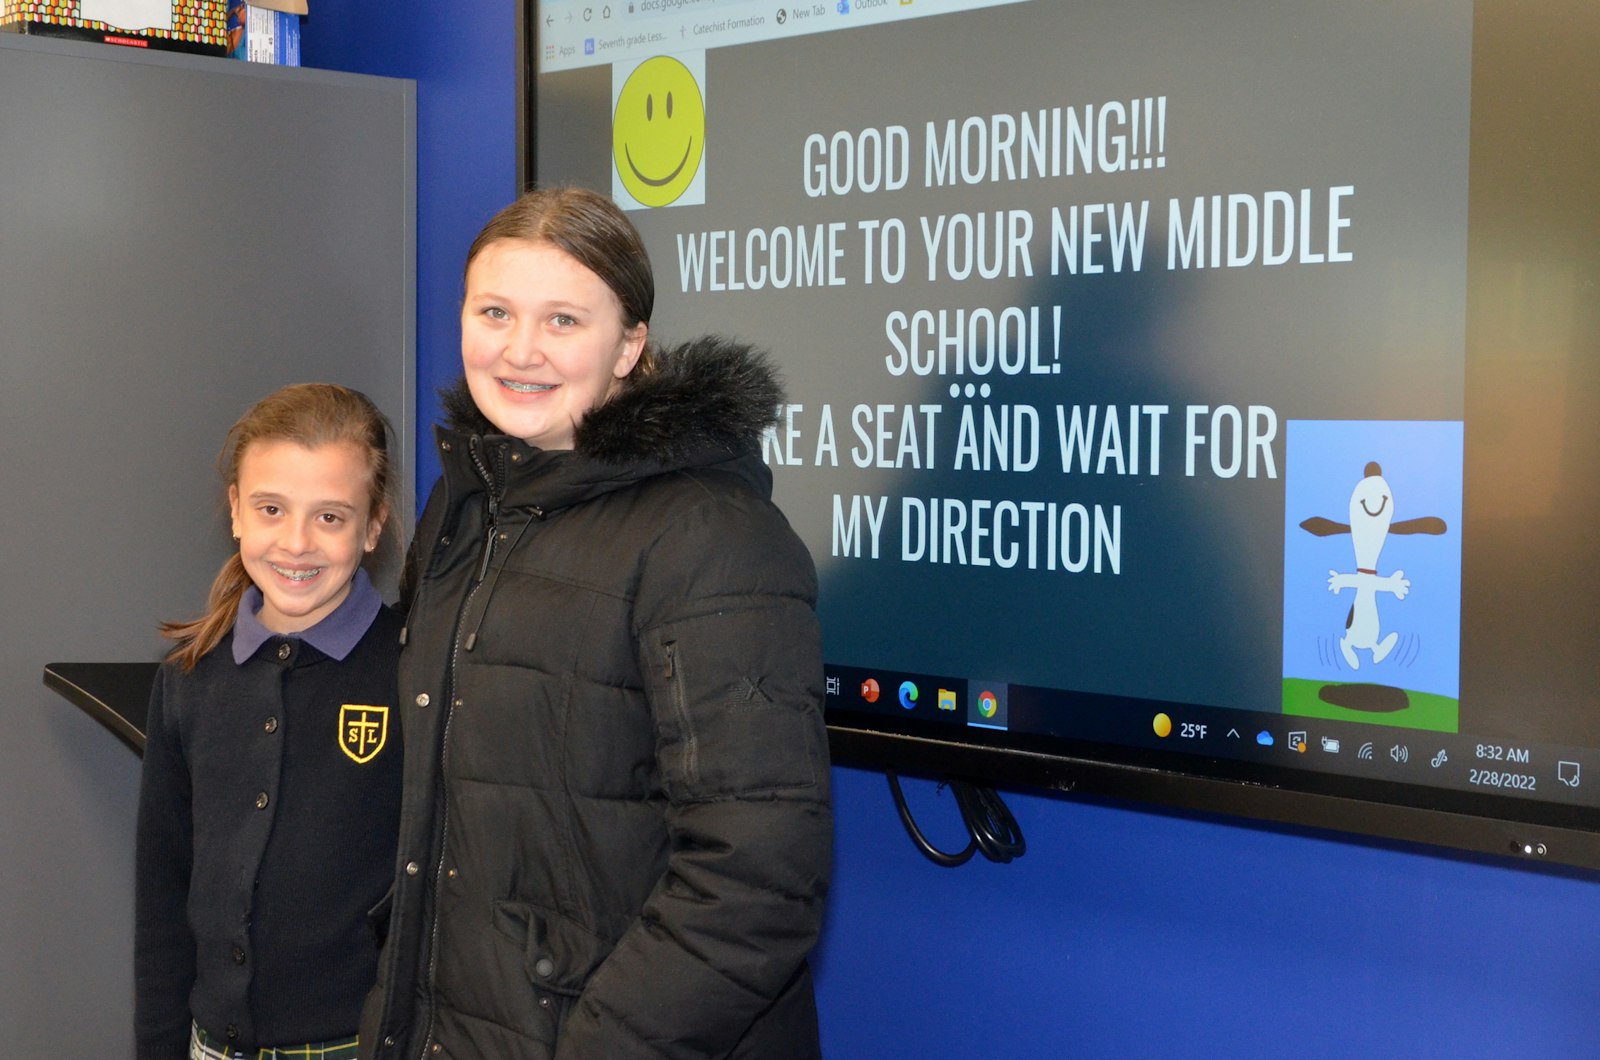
x=1504 y=827
x=1525 y=831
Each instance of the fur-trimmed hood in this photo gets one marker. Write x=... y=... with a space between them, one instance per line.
x=709 y=397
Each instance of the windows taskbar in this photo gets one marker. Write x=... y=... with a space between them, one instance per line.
x=1000 y=714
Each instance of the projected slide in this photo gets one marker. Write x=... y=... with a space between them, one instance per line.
x=1127 y=350
x=1045 y=323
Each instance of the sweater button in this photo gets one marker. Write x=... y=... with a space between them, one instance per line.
x=232 y=1032
x=262 y=800
x=388 y=1041
x=422 y=699
x=283 y=651
x=543 y=967
x=271 y=725
x=238 y=958
x=412 y=868
x=436 y=1049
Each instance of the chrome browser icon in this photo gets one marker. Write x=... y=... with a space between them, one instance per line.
x=987 y=703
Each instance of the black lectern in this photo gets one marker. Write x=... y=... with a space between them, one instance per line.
x=117 y=695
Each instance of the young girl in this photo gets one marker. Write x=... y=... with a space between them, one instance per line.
x=271 y=787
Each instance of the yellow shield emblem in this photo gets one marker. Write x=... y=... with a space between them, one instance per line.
x=363 y=731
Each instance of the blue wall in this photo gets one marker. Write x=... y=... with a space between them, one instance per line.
x=463 y=56
x=1121 y=932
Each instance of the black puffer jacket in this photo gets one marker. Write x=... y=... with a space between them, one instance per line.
x=616 y=832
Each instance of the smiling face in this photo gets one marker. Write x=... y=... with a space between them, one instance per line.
x=303 y=520
x=659 y=131
x=542 y=341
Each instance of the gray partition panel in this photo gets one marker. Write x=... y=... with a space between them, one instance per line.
x=178 y=236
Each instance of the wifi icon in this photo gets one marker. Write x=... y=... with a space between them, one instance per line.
x=1366 y=751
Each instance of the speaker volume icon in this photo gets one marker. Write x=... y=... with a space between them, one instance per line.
x=1400 y=753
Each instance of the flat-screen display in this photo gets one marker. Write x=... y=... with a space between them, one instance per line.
x=1190 y=402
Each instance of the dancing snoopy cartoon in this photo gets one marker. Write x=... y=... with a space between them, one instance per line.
x=1371 y=523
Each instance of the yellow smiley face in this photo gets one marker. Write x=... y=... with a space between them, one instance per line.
x=658 y=132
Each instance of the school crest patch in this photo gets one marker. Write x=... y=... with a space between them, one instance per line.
x=363 y=731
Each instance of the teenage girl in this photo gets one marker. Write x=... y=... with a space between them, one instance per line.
x=617 y=828
x=270 y=796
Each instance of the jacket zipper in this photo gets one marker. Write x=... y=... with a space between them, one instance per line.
x=486 y=584
x=475 y=449
x=680 y=704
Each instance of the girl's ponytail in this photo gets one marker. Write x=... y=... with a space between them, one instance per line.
x=199 y=635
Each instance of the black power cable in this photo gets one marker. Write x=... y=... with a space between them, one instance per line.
x=989 y=822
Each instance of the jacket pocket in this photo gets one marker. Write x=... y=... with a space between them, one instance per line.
x=378 y=917
x=559 y=954
x=734 y=710
x=370 y=1028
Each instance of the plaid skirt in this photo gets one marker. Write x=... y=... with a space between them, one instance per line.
x=203 y=1046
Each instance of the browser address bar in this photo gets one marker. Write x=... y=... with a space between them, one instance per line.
x=577 y=33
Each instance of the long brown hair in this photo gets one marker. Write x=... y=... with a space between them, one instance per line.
x=310 y=415
x=593 y=231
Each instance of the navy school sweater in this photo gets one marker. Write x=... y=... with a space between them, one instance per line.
x=268 y=812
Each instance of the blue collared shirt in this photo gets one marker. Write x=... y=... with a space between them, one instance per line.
x=334 y=636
